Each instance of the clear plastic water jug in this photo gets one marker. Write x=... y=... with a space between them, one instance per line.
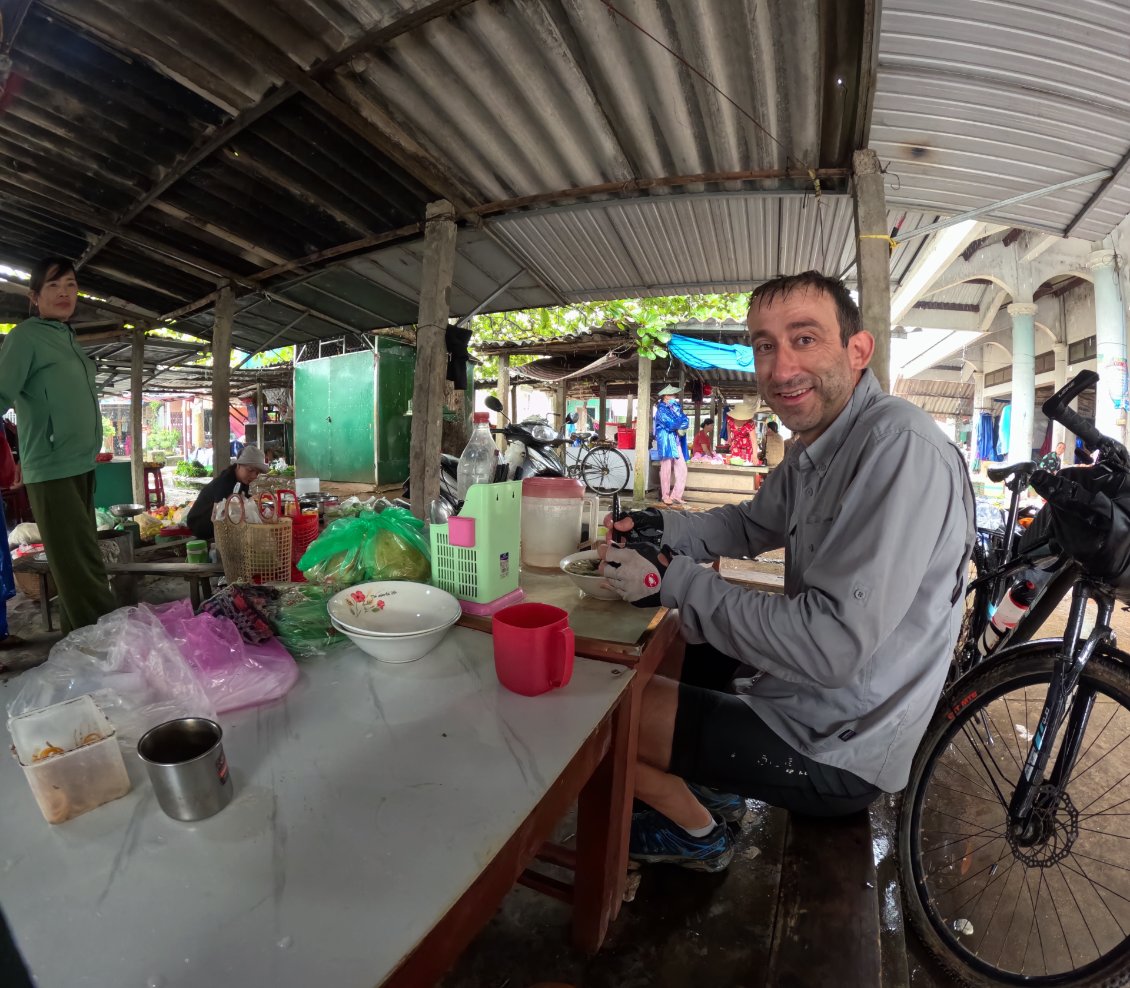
x=552 y=511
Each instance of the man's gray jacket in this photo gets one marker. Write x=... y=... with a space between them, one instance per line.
x=876 y=518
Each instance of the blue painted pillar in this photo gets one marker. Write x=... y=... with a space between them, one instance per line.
x=1023 y=380
x=1110 y=346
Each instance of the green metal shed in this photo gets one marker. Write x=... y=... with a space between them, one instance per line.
x=350 y=421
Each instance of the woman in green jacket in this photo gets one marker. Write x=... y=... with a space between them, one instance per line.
x=49 y=380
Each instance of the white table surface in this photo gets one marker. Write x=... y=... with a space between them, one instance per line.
x=366 y=802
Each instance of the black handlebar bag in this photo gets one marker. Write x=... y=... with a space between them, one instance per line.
x=1090 y=519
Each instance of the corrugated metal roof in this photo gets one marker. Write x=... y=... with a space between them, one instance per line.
x=290 y=147
x=967 y=293
x=980 y=100
x=685 y=243
x=937 y=397
x=174 y=147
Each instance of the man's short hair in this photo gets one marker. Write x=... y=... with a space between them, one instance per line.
x=705 y=423
x=772 y=426
x=847 y=312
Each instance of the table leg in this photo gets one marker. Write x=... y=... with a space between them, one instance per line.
x=604 y=815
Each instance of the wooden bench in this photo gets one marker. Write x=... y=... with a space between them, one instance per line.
x=827 y=927
x=198 y=575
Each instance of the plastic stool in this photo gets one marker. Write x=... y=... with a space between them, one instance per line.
x=154 y=488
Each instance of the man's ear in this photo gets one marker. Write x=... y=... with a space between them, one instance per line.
x=860 y=348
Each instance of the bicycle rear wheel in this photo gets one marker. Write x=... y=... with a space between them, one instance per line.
x=1052 y=908
x=605 y=470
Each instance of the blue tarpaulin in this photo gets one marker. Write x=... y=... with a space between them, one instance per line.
x=704 y=355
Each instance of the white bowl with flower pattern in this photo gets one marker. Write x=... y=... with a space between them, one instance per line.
x=393 y=609
x=396 y=648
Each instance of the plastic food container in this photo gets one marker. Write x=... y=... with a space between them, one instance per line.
x=88 y=772
x=196 y=551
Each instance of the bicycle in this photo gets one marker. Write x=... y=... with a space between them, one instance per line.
x=1011 y=827
x=1001 y=557
x=602 y=468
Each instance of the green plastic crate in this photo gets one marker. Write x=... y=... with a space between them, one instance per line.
x=489 y=570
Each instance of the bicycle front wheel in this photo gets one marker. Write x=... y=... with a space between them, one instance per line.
x=1051 y=906
x=605 y=470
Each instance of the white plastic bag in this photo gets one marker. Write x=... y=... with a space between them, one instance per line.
x=132 y=667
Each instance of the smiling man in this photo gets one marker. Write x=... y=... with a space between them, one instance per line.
x=815 y=699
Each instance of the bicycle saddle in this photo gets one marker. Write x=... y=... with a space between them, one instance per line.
x=997 y=474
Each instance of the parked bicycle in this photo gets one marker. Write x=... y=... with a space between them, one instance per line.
x=1015 y=824
x=1006 y=555
x=598 y=464
x=536 y=448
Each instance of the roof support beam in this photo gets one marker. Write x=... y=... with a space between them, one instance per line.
x=296 y=81
x=1099 y=194
x=431 y=355
x=266 y=346
x=221 y=379
x=1011 y=201
x=873 y=259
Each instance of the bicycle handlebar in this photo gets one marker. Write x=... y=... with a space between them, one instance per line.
x=1056 y=408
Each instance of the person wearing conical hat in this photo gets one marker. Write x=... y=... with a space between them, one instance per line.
x=669 y=421
x=742 y=432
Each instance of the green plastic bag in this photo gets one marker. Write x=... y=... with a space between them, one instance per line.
x=389 y=545
x=302 y=624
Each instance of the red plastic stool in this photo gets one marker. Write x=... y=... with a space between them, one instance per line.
x=154 y=488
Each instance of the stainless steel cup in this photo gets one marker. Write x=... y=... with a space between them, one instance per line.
x=186 y=764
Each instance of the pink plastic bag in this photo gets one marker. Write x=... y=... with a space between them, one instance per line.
x=233 y=673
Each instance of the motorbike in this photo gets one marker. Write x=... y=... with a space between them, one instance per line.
x=532 y=446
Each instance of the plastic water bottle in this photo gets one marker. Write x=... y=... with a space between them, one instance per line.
x=479 y=459
x=1013 y=606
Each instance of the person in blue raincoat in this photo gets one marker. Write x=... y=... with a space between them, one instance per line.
x=669 y=423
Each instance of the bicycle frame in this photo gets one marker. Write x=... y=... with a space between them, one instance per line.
x=1070 y=663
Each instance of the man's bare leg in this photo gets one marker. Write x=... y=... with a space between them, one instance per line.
x=656 y=786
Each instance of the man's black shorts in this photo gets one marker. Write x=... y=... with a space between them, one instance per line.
x=721 y=743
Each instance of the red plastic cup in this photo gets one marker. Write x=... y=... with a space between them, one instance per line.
x=533 y=648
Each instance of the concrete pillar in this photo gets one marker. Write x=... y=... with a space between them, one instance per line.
x=1110 y=346
x=873 y=258
x=1023 y=380
x=978 y=395
x=137 y=454
x=198 y=423
x=221 y=379
x=431 y=354
x=643 y=429
x=1059 y=379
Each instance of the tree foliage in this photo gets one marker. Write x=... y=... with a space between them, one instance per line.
x=646 y=322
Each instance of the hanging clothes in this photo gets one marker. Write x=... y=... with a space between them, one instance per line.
x=986 y=439
x=1003 y=432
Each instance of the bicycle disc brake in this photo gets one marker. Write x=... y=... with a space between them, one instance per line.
x=1051 y=832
